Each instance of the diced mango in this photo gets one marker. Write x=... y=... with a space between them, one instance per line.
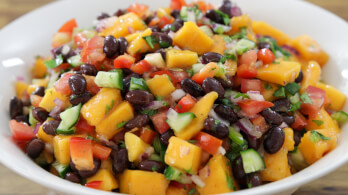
x=242 y=21
x=40 y=82
x=328 y=122
x=267 y=92
x=100 y=104
x=31 y=89
x=310 y=49
x=139 y=45
x=109 y=182
x=218 y=44
x=44 y=136
x=312 y=149
x=106 y=164
x=47 y=101
x=180 y=58
x=21 y=89
x=62 y=149
x=265 y=29
x=133 y=36
x=160 y=85
x=283 y=73
x=171 y=190
x=230 y=67
x=277 y=166
x=135 y=146
x=191 y=37
x=122 y=25
x=39 y=70
x=311 y=75
x=336 y=97
x=220 y=179
x=201 y=109
x=108 y=126
x=183 y=155
x=289 y=142
x=143 y=182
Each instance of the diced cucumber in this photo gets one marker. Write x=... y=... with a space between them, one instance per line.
x=178 y=121
x=244 y=45
x=183 y=13
x=75 y=61
x=207 y=30
x=172 y=173
x=32 y=120
x=110 y=79
x=69 y=118
x=221 y=73
x=155 y=157
x=341 y=117
x=236 y=137
x=252 y=161
x=53 y=78
x=197 y=67
x=297 y=159
x=138 y=83
x=61 y=169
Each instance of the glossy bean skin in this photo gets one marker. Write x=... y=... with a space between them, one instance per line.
x=120 y=12
x=226 y=7
x=123 y=44
x=175 y=13
x=274 y=140
x=77 y=84
x=226 y=83
x=50 y=127
x=164 y=138
x=73 y=177
x=102 y=15
x=238 y=169
x=297 y=137
x=299 y=77
x=120 y=160
x=254 y=179
x=175 y=26
x=211 y=84
x=289 y=120
x=140 y=120
x=16 y=107
x=281 y=105
x=263 y=45
x=254 y=143
x=85 y=174
x=35 y=147
x=272 y=117
x=22 y=118
x=65 y=51
x=82 y=98
x=162 y=52
x=39 y=114
x=211 y=57
x=218 y=130
x=164 y=39
x=39 y=91
x=139 y=97
x=226 y=113
x=111 y=46
x=88 y=69
x=191 y=87
x=214 y=16
x=151 y=165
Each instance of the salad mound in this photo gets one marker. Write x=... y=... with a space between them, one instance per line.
x=185 y=99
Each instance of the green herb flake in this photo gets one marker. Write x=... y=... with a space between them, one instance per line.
x=109 y=107
x=123 y=144
x=306 y=99
x=92 y=138
x=268 y=86
x=151 y=40
x=154 y=168
x=341 y=117
x=292 y=88
x=243 y=95
x=192 y=141
x=149 y=112
x=295 y=106
x=316 y=136
x=318 y=122
x=192 y=191
x=229 y=181
x=121 y=124
x=280 y=92
x=54 y=62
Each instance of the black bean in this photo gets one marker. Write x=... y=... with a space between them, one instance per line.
x=77 y=84
x=211 y=84
x=254 y=143
x=226 y=7
x=123 y=44
x=191 y=87
x=289 y=120
x=162 y=52
x=163 y=39
x=102 y=15
x=126 y=82
x=263 y=45
x=35 y=147
x=164 y=138
x=175 y=13
x=221 y=131
x=238 y=169
x=22 y=118
x=40 y=114
x=226 y=83
x=65 y=51
x=148 y=19
x=72 y=177
x=50 y=127
x=151 y=165
x=111 y=46
x=39 y=91
x=139 y=97
x=211 y=57
x=274 y=140
x=272 y=117
x=120 y=160
x=254 y=180
x=214 y=16
x=16 y=107
x=226 y=113
x=281 y=105
x=88 y=69
x=209 y=123
x=120 y=12
x=127 y=71
x=139 y=121
x=299 y=77
x=82 y=98
x=175 y=26
x=85 y=173
x=297 y=137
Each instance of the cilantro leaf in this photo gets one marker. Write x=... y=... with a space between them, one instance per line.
x=121 y=124
x=229 y=181
x=149 y=112
x=109 y=107
x=192 y=191
x=154 y=168
x=316 y=136
x=292 y=88
x=295 y=106
x=151 y=40
x=318 y=122
x=54 y=62
x=268 y=86
x=243 y=95
x=192 y=141
x=306 y=99
x=224 y=16
x=280 y=92
x=123 y=144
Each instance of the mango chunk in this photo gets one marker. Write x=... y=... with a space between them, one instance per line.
x=100 y=104
x=109 y=182
x=277 y=166
x=311 y=75
x=44 y=136
x=133 y=36
x=191 y=37
x=180 y=58
x=47 y=101
x=110 y=125
x=218 y=44
x=220 y=179
x=135 y=146
x=283 y=73
x=267 y=92
x=106 y=164
x=242 y=21
x=201 y=110
x=39 y=69
x=289 y=142
x=21 y=89
x=139 y=45
x=62 y=149
x=337 y=98
x=122 y=25
x=265 y=29
x=143 y=182
x=160 y=85
x=172 y=190
x=327 y=122
x=183 y=155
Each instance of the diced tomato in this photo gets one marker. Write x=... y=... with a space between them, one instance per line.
x=167 y=72
x=179 y=185
x=251 y=85
x=246 y=71
x=35 y=100
x=202 y=5
x=94 y=184
x=83 y=127
x=147 y=135
x=237 y=81
x=266 y=56
x=185 y=104
x=101 y=152
x=327 y=100
x=60 y=38
x=208 y=70
x=300 y=121
x=260 y=123
x=62 y=85
x=21 y=131
x=208 y=142
x=252 y=107
x=154 y=21
x=179 y=75
x=138 y=9
x=317 y=96
x=81 y=153
x=91 y=86
x=69 y=26
x=124 y=61
x=61 y=67
x=159 y=121
x=177 y=4
x=141 y=67
x=80 y=39
x=164 y=20
x=92 y=52
x=248 y=58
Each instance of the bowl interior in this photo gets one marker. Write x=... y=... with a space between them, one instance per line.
x=31 y=35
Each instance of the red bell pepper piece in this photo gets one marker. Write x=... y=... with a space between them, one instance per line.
x=185 y=104
x=159 y=121
x=101 y=152
x=251 y=85
x=21 y=131
x=208 y=142
x=141 y=67
x=266 y=56
x=246 y=71
x=147 y=135
x=94 y=184
x=81 y=153
x=252 y=107
x=124 y=61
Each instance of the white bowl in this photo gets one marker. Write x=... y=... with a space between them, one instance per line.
x=31 y=35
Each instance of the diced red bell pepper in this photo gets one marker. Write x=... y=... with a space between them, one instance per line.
x=260 y=123
x=92 y=52
x=246 y=71
x=62 y=85
x=159 y=121
x=141 y=67
x=208 y=70
x=94 y=184
x=248 y=58
x=101 y=152
x=252 y=107
x=21 y=131
x=164 y=20
x=83 y=127
x=300 y=121
x=266 y=56
x=185 y=104
x=138 y=9
x=35 y=100
x=81 y=153
x=68 y=26
x=317 y=96
x=147 y=135
x=177 y=4
x=80 y=39
x=208 y=142
x=167 y=72
x=124 y=61
x=251 y=85
x=179 y=75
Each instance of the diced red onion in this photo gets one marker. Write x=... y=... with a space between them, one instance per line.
x=247 y=127
x=154 y=105
x=283 y=125
x=255 y=95
x=20 y=78
x=198 y=181
x=171 y=113
x=236 y=11
x=204 y=172
x=291 y=49
x=206 y=20
x=258 y=64
x=213 y=114
x=57 y=109
x=37 y=127
x=178 y=94
x=222 y=150
x=171 y=34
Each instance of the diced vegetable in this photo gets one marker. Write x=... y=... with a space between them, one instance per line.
x=69 y=118
x=75 y=61
x=21 y=131
x=252 y=161
x=244 y=45
x=109 y=79
x=101 y=152
x=178 y=122
x=155 y=59
x=236 y=137
x=172 y=173
x=208 y=142
x=81 y=153
x=147 y=135
x=160 y=85
x=159 y=121
x=108 y=180
x=124 y=61
x=208 y=70
x=185 y=104
x=252 y=107
x=138 y=83
x=61 y=169
x=341 y=117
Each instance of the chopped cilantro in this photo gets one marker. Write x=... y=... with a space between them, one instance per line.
x=295 y=106
x=149 y=112
x=280 y=92
x=268 y=86
x=91 y=138
x=240 y=35
x=190 y=72
x=151 y=40
x=192 y=141
x=231 y=56
x=229 y=181
x=224 y=16
x=341 y=117
x=154 y=168
x=109 y=107
x=292 y=88
x=306 y=99
x=123 y=144
x=192 y=191
x=159 y=98
x=121 y=124
x=274 y=45
x=316 y=136
x=318 y=122
x=243 y=95
x=54 y=62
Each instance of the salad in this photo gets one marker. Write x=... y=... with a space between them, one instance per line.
x=185 y=99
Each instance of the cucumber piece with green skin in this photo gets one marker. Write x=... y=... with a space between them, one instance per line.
x=61 y=169
x=112 y=79
x=69 y=118
x=297 y=159
x=244 y=45
x=138 y=84
x=236 y=137
x=178 y=121
x=32 y=120
x=75 y=61
x=341 y=117
x=252 y=161
x=171 y=173
x=207 y=30
x=197 y=67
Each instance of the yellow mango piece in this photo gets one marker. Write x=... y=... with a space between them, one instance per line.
x=201 y=110
x=44 y=136
x=40 y=82
x=220 y=179
x=122 y=24
x=268 y=92
x=312 y=149
x=218 y=44
x=39 y=69
x=191 y=37
x=100 y=105
x=109 y=182
x=183 y=155
x=289 y=142
x=230 y=67
x=143 y=182
x=47 y=101
x=21 y=89
x=242 y=21
x=180 y=58
x=336 y=97
x=62 y=149
x=133 y=36
x=106 y=164
x=311 y=75
x=265 y=29
x=139 y=45
x=31 y=89
x=176 y=191
x=108 y=127
x=328 y=122
x=277 y=166
x=309 y=49
x=160 y=85
x=135 y=146
x=283 y=73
